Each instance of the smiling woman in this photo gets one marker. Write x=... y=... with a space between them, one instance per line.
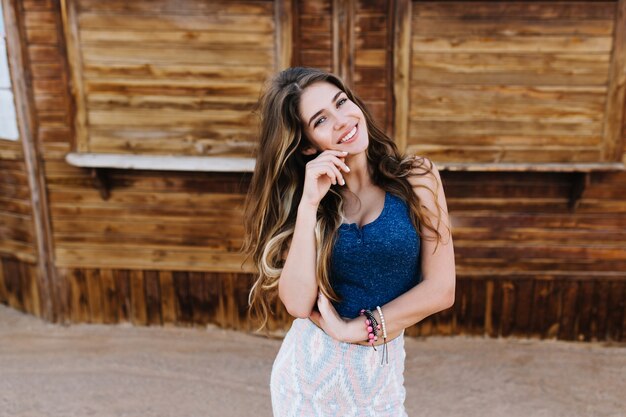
x=354 y=239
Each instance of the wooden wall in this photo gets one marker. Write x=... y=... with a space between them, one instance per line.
x=530 y=79
x=18 y=251
x=164 y=248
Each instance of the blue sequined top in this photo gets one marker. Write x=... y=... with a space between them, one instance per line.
x=377 y=262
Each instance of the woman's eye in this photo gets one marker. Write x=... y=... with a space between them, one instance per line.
x=340 y=102
x=318 y=121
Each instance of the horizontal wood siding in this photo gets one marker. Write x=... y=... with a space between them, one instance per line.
x=510 y=81
x=16 y=218
x=18 y=284
x=159 y=79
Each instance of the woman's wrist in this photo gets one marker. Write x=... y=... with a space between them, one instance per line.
x=355 y=331
x=307 y=209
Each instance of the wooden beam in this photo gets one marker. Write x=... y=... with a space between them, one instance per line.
x=401 y=71
x=343 y=40
x=161 y=163
x=49 y=287
x=231 y=164
x=72 y=41
x=284 y=18
x=530 y=167
x=613 y=116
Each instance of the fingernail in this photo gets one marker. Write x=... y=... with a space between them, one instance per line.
x=347 y=168
x=346 y=152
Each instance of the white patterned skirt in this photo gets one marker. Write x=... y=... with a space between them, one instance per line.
x=315 y=375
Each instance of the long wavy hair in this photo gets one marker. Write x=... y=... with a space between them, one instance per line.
x=278 y=179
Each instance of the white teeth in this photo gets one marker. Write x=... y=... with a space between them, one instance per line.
x=349 y=135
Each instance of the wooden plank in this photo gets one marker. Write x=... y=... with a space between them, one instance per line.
x=203 y=305
x=493 y=11
x=4 y=295
x=586 y=311
x=12 y=282
x=402 y=71
x=168 y=298
x=79 y=302
x=477 y=307
x=569 y=311
x=613 y=116
x=343 y=45
x=153 y=298
x=510 y=69
x=130 y=54
x=28 y=284
x=184 y=309
x=510 y=26
x=218 y=22
x=161 y=163
x=524 y=307
x=184 y=39
x=172 y=72
x=507 y=318
x=110 y=297
x=75 y=63
x=181 y=7
x=138 y=298
x=94 y=295
x=122 y=284
x=284 y=17
x=601 y=301
x=616 y=311
x=596 y=45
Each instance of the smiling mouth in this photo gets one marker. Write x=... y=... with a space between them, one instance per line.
x=350 y=135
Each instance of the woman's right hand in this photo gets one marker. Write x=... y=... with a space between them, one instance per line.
x=321 y=173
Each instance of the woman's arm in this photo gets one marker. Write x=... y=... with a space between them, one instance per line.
x=297 y=286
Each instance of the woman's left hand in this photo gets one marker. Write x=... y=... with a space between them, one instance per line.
x=333 y=324
x=327 y=318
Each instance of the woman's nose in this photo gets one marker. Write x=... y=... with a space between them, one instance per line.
x=340 y=121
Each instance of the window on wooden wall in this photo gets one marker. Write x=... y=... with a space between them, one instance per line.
x=8 y=121
x=500 y=82
x=169 y=77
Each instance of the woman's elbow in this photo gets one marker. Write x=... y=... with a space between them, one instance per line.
x=448 y=295
x=298 y=311
x=295 y=308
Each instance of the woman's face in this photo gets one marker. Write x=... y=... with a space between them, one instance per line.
x=331 y=120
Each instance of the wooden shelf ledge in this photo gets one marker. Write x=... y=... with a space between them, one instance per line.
x=526 y=167
x=161 y=163
x=234 y=164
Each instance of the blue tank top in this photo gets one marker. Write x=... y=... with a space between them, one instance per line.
x=373 y=264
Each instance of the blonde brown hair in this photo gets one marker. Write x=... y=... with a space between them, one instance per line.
x=276 y=186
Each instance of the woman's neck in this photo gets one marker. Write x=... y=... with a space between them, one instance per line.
x=359 y=177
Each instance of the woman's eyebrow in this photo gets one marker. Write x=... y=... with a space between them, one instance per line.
x=332 y=101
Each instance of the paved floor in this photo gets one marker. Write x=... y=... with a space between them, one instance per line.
x=95 y=370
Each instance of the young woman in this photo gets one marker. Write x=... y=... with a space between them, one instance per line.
x=353 y=237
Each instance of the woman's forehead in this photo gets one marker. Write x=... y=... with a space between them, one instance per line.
x=316 y=97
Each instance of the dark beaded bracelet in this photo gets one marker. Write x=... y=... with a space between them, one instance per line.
x=372 y=326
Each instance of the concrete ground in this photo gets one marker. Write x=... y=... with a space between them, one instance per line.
x=97 y=370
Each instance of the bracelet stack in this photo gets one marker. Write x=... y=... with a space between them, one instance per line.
x=373 y=330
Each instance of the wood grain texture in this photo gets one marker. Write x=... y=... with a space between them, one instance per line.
x=197 y=66
x=469 y=60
